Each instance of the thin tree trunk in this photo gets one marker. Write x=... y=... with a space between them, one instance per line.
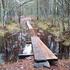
x=68 y=17
x=37 y=11
x=63 y=18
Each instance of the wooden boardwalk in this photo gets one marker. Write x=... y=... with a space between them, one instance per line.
x=40 y=50
x=32 y=32
x=29 y=25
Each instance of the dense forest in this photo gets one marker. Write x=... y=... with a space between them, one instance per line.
x=56 y=10
x=50 y=20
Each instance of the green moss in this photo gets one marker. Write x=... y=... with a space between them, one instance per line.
x=12 y=27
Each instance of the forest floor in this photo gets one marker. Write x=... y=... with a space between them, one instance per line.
x=28 y=64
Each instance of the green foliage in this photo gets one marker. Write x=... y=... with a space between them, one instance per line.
x=10 y=22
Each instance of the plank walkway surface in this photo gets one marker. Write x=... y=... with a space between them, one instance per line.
x=29 y=25
x=31 y=29
x=41 y=51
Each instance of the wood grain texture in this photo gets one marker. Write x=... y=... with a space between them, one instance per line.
x=41 y=51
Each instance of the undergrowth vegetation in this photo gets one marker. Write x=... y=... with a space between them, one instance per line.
x=10 y=27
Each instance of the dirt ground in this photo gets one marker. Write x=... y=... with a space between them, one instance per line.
x=28 y=64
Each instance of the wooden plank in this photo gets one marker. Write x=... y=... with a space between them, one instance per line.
x=48 y=53
x=32 y=32
x=41 y=51
x=29 y=25
x=38 y=54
